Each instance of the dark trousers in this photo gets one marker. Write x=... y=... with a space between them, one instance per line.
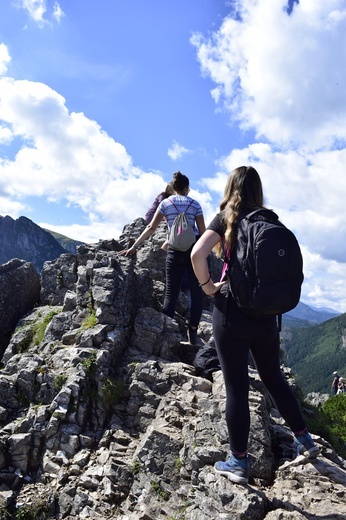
x=234 y=340
x=177 y=263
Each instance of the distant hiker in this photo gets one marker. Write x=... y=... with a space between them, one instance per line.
x=341 y=386
x=177 y=262
x=236 y=333
x=161 y=196
x=335 y=382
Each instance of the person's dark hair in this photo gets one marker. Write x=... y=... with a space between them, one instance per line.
x=243 y=191
x=180 y=182
x=168 y=190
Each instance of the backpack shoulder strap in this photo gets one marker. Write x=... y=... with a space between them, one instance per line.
x=188 y=206
x=171 y=201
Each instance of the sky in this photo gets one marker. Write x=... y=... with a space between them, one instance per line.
x=101 y=102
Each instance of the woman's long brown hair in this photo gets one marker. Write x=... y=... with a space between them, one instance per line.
x=243 y=191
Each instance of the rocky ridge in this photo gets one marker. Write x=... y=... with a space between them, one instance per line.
x=102 y=414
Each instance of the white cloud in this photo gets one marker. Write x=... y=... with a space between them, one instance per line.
x=282 y=75
x=5 y=58
x=308 y=192
x=10 y=207
x=38 y=11
x=324 y=282
x=177 y=151
x=35 y=8
x=57 y=12
x=5 y=134
x=63 y=156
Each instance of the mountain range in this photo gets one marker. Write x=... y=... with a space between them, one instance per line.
x=25 y=240
x=312 y=315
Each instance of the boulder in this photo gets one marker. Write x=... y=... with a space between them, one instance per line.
x=19 y=292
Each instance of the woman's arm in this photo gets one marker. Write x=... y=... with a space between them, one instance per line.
x=200 y=224
x=199 y=256
x=149 y=230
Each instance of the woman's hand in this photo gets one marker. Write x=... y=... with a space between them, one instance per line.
x=149 y=230
x=128 y=252
x=211 y=288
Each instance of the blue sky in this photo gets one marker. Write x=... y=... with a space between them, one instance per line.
x=100 y=102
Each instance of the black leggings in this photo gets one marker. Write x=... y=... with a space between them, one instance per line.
x=234 y=340
x=177 y=264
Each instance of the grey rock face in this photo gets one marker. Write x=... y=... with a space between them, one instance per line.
x=25 y=240
x=19 y=292
x=103 y=415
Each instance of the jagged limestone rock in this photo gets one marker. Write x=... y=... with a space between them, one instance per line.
x=105 y=417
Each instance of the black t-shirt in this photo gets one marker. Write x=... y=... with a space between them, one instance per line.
x=218 y=224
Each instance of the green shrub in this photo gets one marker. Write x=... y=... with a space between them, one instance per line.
x=90 y=365
x=329 y=421
x=59 y=381
x=135 y=467
x=34 y=512
x=112 y=392
x=334 y=410
x=178 y=464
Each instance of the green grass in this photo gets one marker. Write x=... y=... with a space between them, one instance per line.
x=39 y=328
x=89 y=322
x=158 y=489
x=37 y=331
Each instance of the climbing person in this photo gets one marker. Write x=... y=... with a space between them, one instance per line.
x=160 y=197
x=236 y=333
x=177 y=262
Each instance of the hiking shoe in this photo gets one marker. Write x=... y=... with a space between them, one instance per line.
x=236 y=470
x=306 y=446
x=192 y=336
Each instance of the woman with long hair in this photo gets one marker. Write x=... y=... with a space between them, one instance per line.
x=237 y=333
x=178 y=262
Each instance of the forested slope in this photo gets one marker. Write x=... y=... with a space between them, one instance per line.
x=315 y=352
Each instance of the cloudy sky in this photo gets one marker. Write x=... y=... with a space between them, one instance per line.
x=100 y=102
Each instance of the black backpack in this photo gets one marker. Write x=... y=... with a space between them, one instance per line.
x=206 y=361
x=265 y=272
